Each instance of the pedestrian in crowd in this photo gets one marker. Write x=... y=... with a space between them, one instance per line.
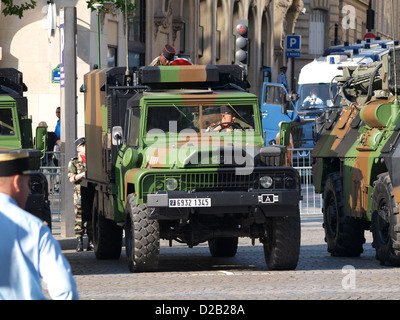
x=57 y=130
x=166 y=56
x=77 y=171
x=28 y=251
x=56 y=158
x=282 y=78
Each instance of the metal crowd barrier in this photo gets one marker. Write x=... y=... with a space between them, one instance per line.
x=53 y=175
x=301 y=161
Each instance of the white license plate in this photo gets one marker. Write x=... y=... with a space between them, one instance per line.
x=189 y=202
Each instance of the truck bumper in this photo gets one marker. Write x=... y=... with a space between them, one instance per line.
x=175 y=204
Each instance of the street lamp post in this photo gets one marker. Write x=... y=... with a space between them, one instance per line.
x=98 y=6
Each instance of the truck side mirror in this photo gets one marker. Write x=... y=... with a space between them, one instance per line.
x=116 y=135
x=41 y=139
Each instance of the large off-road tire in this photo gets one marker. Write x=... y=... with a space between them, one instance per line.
x=223 y=247
x=142 y=237
x=385 y=223
x=282 y=242
x=107 y=235
x=344 y=235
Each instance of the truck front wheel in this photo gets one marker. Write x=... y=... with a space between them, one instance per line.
x=282 y=242
x=142 y=237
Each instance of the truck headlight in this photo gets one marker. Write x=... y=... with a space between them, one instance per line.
x=266 y=181
x=171 y=184
x=290 y=183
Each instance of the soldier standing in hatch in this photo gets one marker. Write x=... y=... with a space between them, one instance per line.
x=165 y=58
x=77 y=171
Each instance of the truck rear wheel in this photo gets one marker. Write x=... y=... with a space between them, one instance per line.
x=282 y=242
x=107 y=235
x=344 y=236
x=385 y=222
x=223 y=247
x=142 y=237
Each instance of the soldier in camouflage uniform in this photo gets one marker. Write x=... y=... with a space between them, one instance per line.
x=76 y=171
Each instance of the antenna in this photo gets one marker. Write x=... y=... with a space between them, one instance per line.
x=396 y=101
x=128 y=78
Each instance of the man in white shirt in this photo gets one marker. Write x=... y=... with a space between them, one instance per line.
x=28 y=251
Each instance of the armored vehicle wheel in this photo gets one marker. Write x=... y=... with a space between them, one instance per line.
x=282 y=242
x=385 y=222
x=344 y=236
x=142 y=237
x=223 y=247
x=107 y=235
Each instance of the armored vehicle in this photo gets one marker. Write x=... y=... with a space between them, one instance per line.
x=163 y=164
x=356 y=161
x=16 y=133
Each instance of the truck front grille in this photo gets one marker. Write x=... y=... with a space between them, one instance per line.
x=220 y=181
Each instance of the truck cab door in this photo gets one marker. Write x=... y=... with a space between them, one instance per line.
x=275 y=108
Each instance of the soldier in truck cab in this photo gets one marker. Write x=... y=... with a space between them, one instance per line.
x=226 y=124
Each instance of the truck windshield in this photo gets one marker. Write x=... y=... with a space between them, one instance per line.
x=317 y=96
x=6 y=123
x=202 y=118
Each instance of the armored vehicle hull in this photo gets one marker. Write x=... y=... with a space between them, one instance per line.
x=356 y=164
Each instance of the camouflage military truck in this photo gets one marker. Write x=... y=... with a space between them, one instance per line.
x=157 y=167
x=356 y=161
x=16 y=133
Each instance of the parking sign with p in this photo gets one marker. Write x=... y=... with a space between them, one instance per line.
x=293 y=42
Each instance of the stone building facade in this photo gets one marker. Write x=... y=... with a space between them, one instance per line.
x=324 y=23
x=203 y=30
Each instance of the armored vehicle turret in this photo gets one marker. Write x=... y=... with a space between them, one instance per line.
x=356 y=162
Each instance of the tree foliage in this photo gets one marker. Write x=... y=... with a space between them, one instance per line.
x=120 y=4
x=10 y=8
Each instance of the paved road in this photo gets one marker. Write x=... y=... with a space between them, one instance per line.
x=192 y=274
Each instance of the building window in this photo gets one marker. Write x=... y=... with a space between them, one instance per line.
x=201 y=41
x=112 y=56
x=317 y=32
x=218 y=44
x=137 y=35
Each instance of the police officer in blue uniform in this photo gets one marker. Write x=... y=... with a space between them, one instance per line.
x=28 y=251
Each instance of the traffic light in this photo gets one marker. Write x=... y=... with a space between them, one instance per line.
x=242 y=43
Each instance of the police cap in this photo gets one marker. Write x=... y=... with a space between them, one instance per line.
x=14 y=162
x=79 y=141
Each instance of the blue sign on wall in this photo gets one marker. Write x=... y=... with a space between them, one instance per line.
x=293 y=42
x=292 y=54
x=55 y=75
